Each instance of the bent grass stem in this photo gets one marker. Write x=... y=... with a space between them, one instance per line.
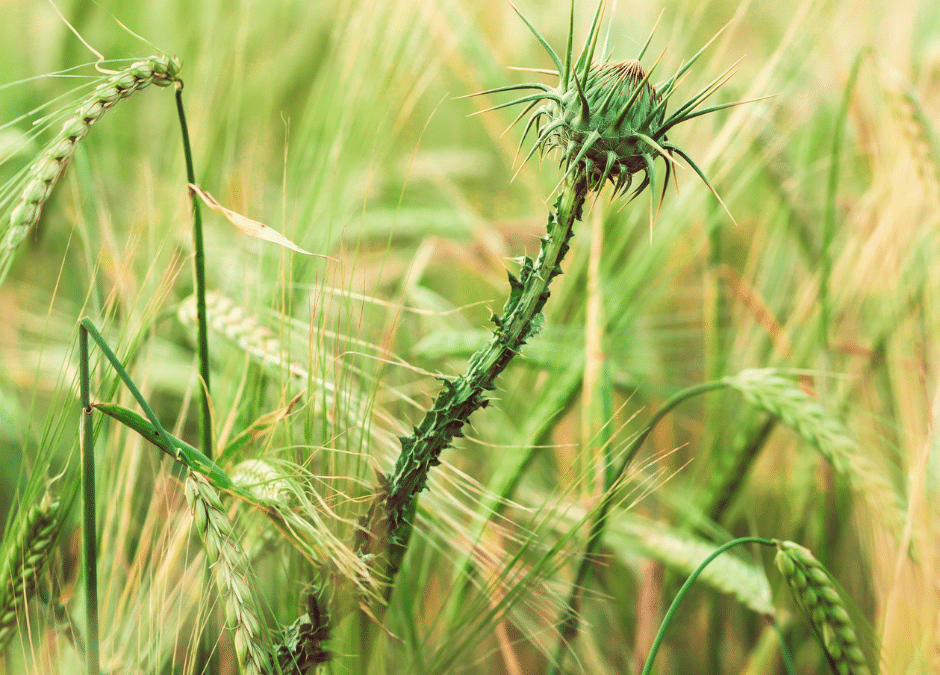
x=89 y=534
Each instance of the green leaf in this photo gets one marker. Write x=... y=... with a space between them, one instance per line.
x=184 y=453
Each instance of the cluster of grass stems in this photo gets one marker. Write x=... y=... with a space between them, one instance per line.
x=664 y=409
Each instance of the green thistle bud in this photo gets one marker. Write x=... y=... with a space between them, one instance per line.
x=607 y=117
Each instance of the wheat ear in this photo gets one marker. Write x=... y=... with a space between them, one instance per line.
x=230 y=569
x=49 y=166
x=25 y=559
x=817 y=596
x=780 y=397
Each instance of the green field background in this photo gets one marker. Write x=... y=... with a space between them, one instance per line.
x=338 y=124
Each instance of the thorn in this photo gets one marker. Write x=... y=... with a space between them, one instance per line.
x=679 y=151
x=622 y=115
x=541 y=71
x=591 y=42
x=548 y=130
x=538 y=36
x=518 y=117
x=585 y=109
x=650 y=38
x=511 y=87
x=524 y=99
x=567 y=73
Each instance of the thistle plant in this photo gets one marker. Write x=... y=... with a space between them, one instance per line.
x=608 y=123
x=606 y=118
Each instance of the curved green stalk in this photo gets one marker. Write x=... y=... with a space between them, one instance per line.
x=202 y=339
x=89 y=535
x=199 y=270
x=569 y=622
x=667 y=619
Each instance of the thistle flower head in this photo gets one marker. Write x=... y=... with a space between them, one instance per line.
x=606 y=116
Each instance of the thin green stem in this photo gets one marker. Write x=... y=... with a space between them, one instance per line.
x=569 y=621
x=199 y=268
x=192 y=460
x=89 y=538
x=667 y=619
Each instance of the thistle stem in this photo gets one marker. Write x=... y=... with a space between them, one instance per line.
x=391 y=524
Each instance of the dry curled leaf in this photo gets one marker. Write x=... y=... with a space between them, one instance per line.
x=248 y=226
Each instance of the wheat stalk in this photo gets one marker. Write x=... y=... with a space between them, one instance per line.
x=230 y=569
x=780 y=397
x=918 y=129
x=25 y=559
x=816 y=594
x=45 y=172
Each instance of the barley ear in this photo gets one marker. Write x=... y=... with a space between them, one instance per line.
x=26 y=556
x=230 y=569
x=920 y=132
x=46 y=170
x=766 y=389
x=818 y=598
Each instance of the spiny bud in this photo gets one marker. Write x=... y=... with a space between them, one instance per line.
x=605 y=117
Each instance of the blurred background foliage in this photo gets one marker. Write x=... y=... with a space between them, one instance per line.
x=335 y=123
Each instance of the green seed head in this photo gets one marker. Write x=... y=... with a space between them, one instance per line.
x=166 y=70
x=605 y=117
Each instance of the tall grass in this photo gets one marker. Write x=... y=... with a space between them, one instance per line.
x=334 y=123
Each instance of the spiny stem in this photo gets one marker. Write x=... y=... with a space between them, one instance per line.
x=388 y=523
x=89 y=545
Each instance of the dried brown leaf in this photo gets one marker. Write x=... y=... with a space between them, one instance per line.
x=248 y=226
